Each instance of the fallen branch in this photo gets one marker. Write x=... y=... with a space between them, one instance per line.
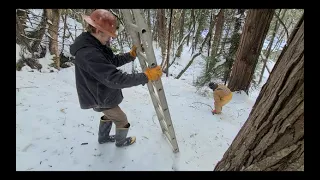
x=27 y=87
x=204 y=104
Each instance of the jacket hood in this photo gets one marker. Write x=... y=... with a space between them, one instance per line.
x=85 y=39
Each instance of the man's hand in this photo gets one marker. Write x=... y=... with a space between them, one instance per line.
x=133 y=51
x=153 y=74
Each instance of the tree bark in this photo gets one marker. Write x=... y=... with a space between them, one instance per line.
x=54 y=17
x=272 y=139
x=201 y=23
x=166 y=65
x=208 y=36
x=162 y=33
x=218 y=33
x=181 y=31
x=235 y=38
x=190 y=25
x=254 y=32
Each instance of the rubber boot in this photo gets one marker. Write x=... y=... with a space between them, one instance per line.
x=104 y=130
x=121 y=137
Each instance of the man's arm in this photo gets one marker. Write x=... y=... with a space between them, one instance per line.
x=109 y=75
x=122 y=59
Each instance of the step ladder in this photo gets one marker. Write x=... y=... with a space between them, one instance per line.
x=141 y=35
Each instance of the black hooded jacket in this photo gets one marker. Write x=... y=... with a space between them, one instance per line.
x=98 y=80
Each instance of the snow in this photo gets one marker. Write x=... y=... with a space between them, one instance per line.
x=46 y=61
x=26 y=54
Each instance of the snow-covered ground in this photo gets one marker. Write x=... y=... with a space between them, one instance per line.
x=51 y=127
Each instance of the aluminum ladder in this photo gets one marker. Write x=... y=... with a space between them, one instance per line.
x=141 y=35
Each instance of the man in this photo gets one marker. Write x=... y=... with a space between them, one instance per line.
x=221 y=95
x=98 y=80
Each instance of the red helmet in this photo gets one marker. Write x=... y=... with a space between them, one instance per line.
x=102 y=20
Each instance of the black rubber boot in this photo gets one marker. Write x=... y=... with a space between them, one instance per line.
x=121 y=137
x=104 y=130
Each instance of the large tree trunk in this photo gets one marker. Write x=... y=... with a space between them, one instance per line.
x=54 y=17
x=235 y=38
x=254 y=32
x=272 y=139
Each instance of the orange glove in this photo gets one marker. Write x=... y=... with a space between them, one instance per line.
x=133 y=52
x=153 y=74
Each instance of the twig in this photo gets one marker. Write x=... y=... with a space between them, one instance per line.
x=27 y=87
x=204 y=104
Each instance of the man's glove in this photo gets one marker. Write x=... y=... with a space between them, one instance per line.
x=133 y=51
x=153 y=74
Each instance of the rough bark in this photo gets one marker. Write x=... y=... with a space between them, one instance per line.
x=272 y=139
x=54 y=17
x=235 y=39
x=254 y=32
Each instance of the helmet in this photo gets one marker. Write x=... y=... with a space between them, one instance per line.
x=213 y=86
x=102 y=20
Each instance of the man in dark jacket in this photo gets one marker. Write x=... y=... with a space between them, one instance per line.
x=98 y=80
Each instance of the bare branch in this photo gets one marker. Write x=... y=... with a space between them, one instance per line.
x=284 y=26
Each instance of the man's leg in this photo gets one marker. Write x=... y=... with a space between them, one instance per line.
x=217 y=107
x=119 y=118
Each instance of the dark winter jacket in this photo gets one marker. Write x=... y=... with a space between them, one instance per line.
x=98 y=80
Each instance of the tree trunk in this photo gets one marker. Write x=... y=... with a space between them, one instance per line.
x=166 y=65
x=162 y=33
x=211 y=30
x=54 y=17
x=190 y=25
x=272 y=139
x=201 y=24
x=181 y=31
x=254 y=32
x=235 y=38
x=65 y=26
x=217 y=34
x=209 y=35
